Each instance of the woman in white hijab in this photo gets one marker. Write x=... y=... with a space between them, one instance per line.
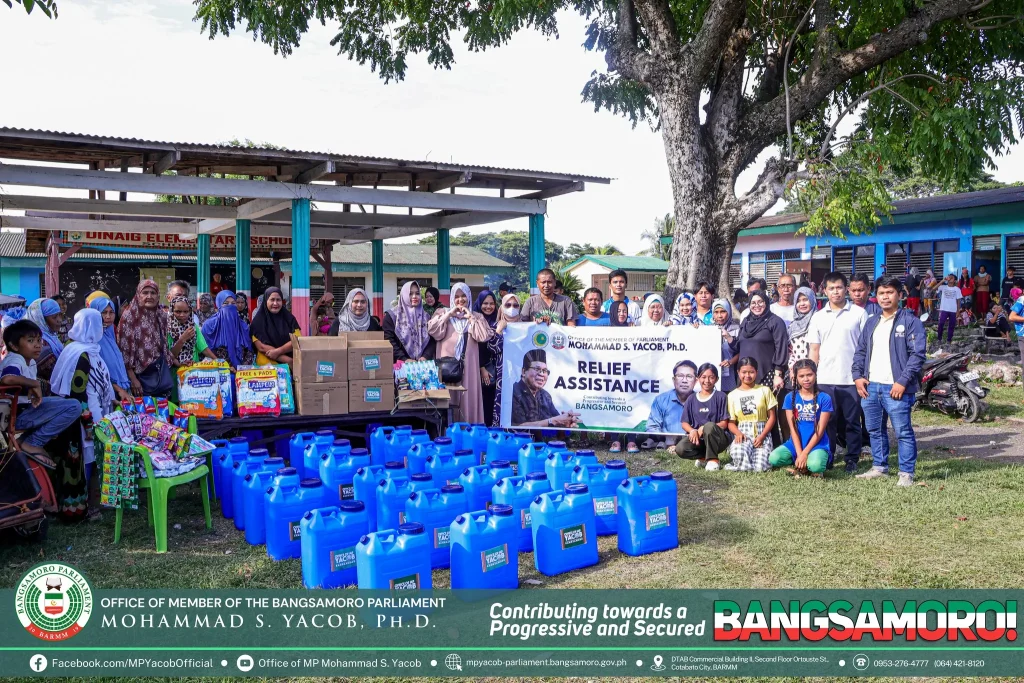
x=355 y=315
x=81 y=374
x=654 y=312
x=458 y=330
x=508 y=314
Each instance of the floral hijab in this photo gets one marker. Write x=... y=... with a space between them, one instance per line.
x=142 y=332
x=801 y=321
x=176 y=329
x=410 y=322
x=205 y=300
x=678 y=318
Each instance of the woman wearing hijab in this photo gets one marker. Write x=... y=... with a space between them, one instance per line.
x=405 y=326
x=806 y=307
x=272 y=329
x=486 y=304
x=111 y=355
x=206 y=308
x=928 y=286
x=142 y=336
x=764 y=338
x=65 y=322
x=721 y=314
x=685 y=310
x=654 y=312
x=458 y=332
x=509 y=313
x=227 y=334
x=46 y=314
x=355 y=315
x=185 y=341
x=432 y=300
x=242 y=304
x=82 y=374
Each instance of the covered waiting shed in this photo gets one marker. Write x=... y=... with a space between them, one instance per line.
x=306 y=196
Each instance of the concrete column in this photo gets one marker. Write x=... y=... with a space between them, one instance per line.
x=202 y=265
x=243 y=261
x=537 y=259
x=377 y=273
x=300 y=263
x=444 y=265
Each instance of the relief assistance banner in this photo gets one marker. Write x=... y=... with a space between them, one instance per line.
x=599 y=378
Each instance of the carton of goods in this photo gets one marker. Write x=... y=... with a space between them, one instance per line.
x=322 y=398
x=319 y=359
x=257 y=392
x=370 y=356
x=366 y=396
x=199 y=391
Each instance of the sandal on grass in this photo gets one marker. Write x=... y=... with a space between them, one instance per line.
x=40 y=458
x=631 y=448
x=616 y=447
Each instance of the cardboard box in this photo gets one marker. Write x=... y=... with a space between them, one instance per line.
x=319 y=360
x=365 y=396
x=322 y=398
x=370 y=357
x=438 y=399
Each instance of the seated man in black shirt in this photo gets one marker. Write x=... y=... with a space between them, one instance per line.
x=999 y=328
x=531 y=404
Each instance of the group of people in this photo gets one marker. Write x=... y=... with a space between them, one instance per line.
x=839 y=372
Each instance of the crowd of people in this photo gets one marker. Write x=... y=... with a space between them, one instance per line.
x=837 y=369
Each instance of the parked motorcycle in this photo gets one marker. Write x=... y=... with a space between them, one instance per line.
x=950 y=387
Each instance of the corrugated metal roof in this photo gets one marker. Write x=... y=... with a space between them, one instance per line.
x=946 y=202
x=12 y=245
x=647 y=264
x=414 y=254
x=131 y=146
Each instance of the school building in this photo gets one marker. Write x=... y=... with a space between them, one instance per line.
x=943 y=233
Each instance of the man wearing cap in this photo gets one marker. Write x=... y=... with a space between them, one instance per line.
x=505 y=288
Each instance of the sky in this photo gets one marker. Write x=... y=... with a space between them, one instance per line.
x=142 y=68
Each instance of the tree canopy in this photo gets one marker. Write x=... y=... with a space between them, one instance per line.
x=938 y=81
x=47 y=7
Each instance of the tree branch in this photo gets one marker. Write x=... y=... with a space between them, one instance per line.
x=721 y=18
x=656 y=16
x=766 y=122
x=863 y=98
x=785 y=81
x=624 y=55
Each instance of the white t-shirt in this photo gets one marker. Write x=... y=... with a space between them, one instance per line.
x=14 y=364
x=785 y=312
x=949 y=298
x=838 y=333
x=880 y=369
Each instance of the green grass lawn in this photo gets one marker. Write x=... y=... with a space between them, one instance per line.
x=962 y=526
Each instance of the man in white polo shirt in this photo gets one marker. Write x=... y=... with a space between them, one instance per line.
x=832 y=336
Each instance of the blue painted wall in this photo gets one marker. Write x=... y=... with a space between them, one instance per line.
x=21 y=282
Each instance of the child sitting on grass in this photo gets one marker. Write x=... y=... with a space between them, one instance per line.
x=751 y=418
x=40 y=418
x=807 y=411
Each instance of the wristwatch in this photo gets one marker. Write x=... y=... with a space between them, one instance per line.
x=549 y=423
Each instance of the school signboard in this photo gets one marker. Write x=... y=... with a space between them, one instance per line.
x=599 y=378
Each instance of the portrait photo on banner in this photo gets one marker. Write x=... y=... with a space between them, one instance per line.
x=591 y=379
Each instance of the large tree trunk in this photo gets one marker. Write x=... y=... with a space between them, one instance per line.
x=703 y=238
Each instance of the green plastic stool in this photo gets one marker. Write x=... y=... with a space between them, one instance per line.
x=160 y=490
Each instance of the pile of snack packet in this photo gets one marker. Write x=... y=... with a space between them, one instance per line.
x=120 y=488
x=418 y=375
x=172 y=450
x=207 y=389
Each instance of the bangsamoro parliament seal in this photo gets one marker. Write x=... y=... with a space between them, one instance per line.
x=53 y=601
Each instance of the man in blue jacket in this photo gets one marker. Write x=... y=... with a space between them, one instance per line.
x=886 y=369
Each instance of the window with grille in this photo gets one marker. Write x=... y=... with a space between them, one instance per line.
x=341 y=286
x=644 y=281
x=864 y=260
x=791 y=255
x=423 y=282
x=946 y=246
x=920 y=256
x=757 y=271
x=1015 y=253
x=773 y=269
x=736 y=272
x=821 y=253
x=895 y=259
x=842 y=260
x=987 y=243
